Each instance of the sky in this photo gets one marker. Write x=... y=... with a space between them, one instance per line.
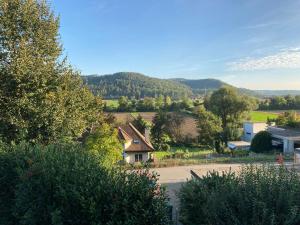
x=253 y=44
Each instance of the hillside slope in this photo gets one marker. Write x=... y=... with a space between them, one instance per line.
x=201 y=86
x=134 y=85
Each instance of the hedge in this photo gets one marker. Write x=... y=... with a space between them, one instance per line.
x=64 y=185
x=257 y=196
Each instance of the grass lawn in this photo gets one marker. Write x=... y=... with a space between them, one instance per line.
x=184 y=151
x=113 y=103
x=181 y=156
x=259 y=116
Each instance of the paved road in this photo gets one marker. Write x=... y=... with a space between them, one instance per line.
x=173 y=178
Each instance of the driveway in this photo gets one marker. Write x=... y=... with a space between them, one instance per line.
x=173 y=178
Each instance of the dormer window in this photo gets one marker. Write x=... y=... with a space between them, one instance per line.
x=136 y=141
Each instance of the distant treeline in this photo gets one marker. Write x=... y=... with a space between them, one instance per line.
x=134 y=85
x=149 y=104
x=288 y=102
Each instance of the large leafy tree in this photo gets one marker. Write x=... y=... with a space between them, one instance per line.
x=209 y=128
x=41 y=97
x=104 y=144
x=141 y=124
x=230 y=107
x=159 y=131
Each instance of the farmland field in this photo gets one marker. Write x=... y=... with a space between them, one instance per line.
x=113 y=103
x=188 y=128
x=260 y=116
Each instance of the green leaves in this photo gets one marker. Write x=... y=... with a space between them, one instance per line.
x=104 y=144
x=262 y=142
x=65 y=184
x=209 y=126
x=41 y=98
x=231 y=108
x=256 y=196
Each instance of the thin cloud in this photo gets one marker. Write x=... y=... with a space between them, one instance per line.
x=261 y=25
x=288 y=59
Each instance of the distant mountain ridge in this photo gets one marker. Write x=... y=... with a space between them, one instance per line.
x=134 y=85
x=278 y=92
x=137 y=85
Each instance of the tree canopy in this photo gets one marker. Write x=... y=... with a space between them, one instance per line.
x=41 y=97
x=231 y=107
x=209 y=126
x=134 y=85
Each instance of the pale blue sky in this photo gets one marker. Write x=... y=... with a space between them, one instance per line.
x=248 y=43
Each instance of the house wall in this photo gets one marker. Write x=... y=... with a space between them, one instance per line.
x=251 y=129
x=288 y=146
x=130 y=157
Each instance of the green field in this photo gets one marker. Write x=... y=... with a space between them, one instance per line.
x=186 y=152
x=113 y=103
x=259 y=116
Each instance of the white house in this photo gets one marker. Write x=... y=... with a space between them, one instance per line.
x=137 y=147
x=251 y=129
x=288 y=138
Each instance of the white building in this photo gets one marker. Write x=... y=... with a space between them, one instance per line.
x=251 y=129
x=288 y=138
x=137 y=147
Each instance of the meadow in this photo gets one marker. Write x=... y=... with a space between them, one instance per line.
x=112 y=103
x=181 y=156
x=261 y=116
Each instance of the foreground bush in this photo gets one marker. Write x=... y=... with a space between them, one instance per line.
x=257 y=196
x=62 y=184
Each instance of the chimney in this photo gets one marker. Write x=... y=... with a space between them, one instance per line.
x=147 y=135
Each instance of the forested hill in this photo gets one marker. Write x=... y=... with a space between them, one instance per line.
x=134 y=85
x=202 y=85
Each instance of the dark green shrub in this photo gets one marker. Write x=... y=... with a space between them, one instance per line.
x=257 y=196
x=63 y=184
x=262 y=142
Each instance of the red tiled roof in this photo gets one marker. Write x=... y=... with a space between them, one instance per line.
x=137 y=142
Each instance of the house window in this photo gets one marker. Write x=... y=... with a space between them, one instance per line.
x=135 y=141
x=138 y=157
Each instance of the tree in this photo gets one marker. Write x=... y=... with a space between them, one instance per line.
x=159 y=131
x=289 y=119
x=149 y=104
x=159 y=102
x=230 y=107
x=168 y=102
x=140 y=123
x=174 y=127
x=209 y=127
x=262 y=142
x=103 y=142
x=41 y=98
x=123 y=104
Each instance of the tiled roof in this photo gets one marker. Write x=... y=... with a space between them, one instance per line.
x=134 y=140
